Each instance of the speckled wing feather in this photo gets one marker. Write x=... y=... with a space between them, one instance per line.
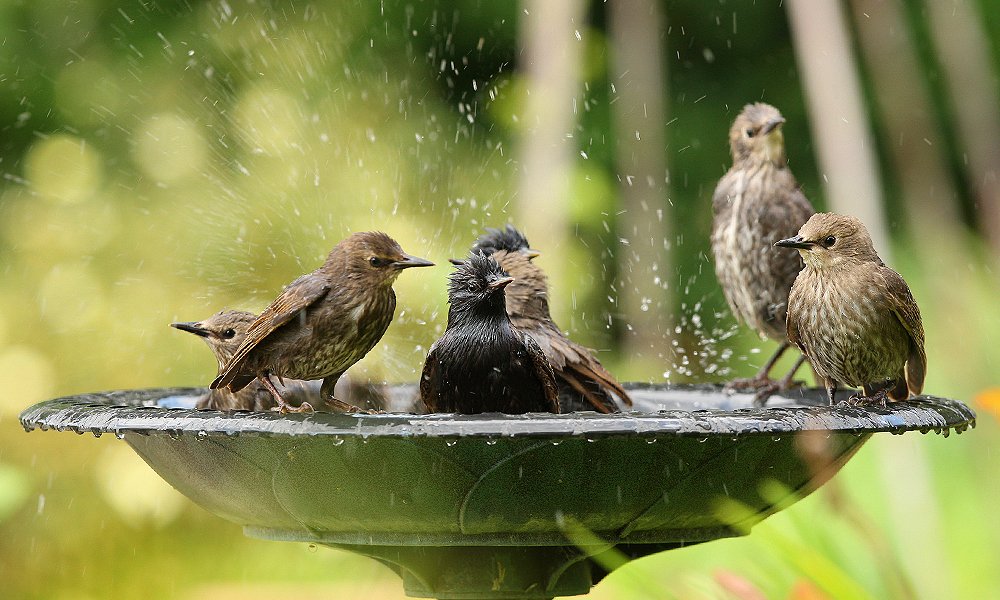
x=544 y=371
x=298 y=295
x=906 y=310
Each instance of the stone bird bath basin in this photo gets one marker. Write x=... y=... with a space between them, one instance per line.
x=495 y=506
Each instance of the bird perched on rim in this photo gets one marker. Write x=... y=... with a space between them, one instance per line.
x=852 y=316
x=756 y=203
x=482 y=363
x=324 y=321
x=584 y=383
x=223 y=332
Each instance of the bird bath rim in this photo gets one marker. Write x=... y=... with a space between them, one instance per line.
x=118 y=412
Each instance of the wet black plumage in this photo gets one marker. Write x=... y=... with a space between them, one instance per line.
x=583 y=382
x=482 y=363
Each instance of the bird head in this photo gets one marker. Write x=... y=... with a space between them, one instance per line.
x=527 y=296
x=508 y=238
x=477 y=286
x=830 y=240
x=223 y=332
x=756 y=135
x=373 y=258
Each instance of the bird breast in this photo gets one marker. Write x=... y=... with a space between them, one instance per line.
x=849 y=332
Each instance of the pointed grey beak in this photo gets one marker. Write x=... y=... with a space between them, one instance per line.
x=771 y=125
x=412 y=261
x=191 y=327
x=499 y=284
x=456 y=261
x=795 y=242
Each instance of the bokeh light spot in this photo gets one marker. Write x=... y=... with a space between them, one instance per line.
x=269 y=121
x=26 y=377
x=170 y=148
x=63 y=168
x=137 y=494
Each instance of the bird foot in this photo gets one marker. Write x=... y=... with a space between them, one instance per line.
x=763 y=387
x=879 y=399
x=305 y=407
x=347 y=407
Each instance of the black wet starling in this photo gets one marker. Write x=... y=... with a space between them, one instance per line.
x=483 y=363
x=325 y=321
x=756 y=203
x=584 y=384
x=852 y=316
x=223 y=332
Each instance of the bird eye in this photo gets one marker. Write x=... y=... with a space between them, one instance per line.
x=229 y=334
x=377 y=262
x=750 y=132
x=829 y=241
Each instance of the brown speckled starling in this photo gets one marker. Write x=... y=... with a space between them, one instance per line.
x=482 y=363
x=852 y=316
x=223 y=332
x=756 y=203
x=325 y=321
x=584 y=383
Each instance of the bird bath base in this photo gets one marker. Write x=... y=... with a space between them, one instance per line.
x=498 y=506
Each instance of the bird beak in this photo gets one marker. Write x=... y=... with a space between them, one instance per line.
x=191 y=327
x=531 y=253
x=771 y=125
x=499 y=284
x=412 y=261
x=795 y=242
x=456 y=261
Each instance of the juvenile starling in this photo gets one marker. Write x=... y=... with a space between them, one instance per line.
x=584 y=384
x=756 y=203
x=852 y=316
x=483 y=363
x=223 y=332
x=325 y=321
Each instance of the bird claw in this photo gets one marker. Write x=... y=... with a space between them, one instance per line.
x=305 y=407
x=762 y=388
x=348 y=407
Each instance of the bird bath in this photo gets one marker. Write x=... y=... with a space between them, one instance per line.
x=495 y=506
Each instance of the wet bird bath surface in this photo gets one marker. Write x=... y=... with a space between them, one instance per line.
x=495 y=506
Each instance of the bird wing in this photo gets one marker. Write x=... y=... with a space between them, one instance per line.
x=428 y=380
x=908 y=313
x=297 y=296
x=544 y=371
x=579 y=366
x=792 y=324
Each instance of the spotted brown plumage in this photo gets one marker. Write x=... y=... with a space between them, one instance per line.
x=325 y=321
x=756 y=203
x=482 y=363
x=852 y=316
x=224 y=332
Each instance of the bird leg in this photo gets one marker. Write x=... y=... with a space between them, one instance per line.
x=831 y=389
x=785 y=383
x=326 y=392
x=283 y=407
x=762 y=383
x=873 y=396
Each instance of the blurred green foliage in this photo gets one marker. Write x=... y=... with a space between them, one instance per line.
x=163 y=160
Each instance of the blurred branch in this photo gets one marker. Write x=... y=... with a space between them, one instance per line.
x=837 y=116
x=912 y=135
x=963 y=50
x=551 y=55
x=639 y=116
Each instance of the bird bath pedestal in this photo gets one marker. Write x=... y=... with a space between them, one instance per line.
x=496 y=506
